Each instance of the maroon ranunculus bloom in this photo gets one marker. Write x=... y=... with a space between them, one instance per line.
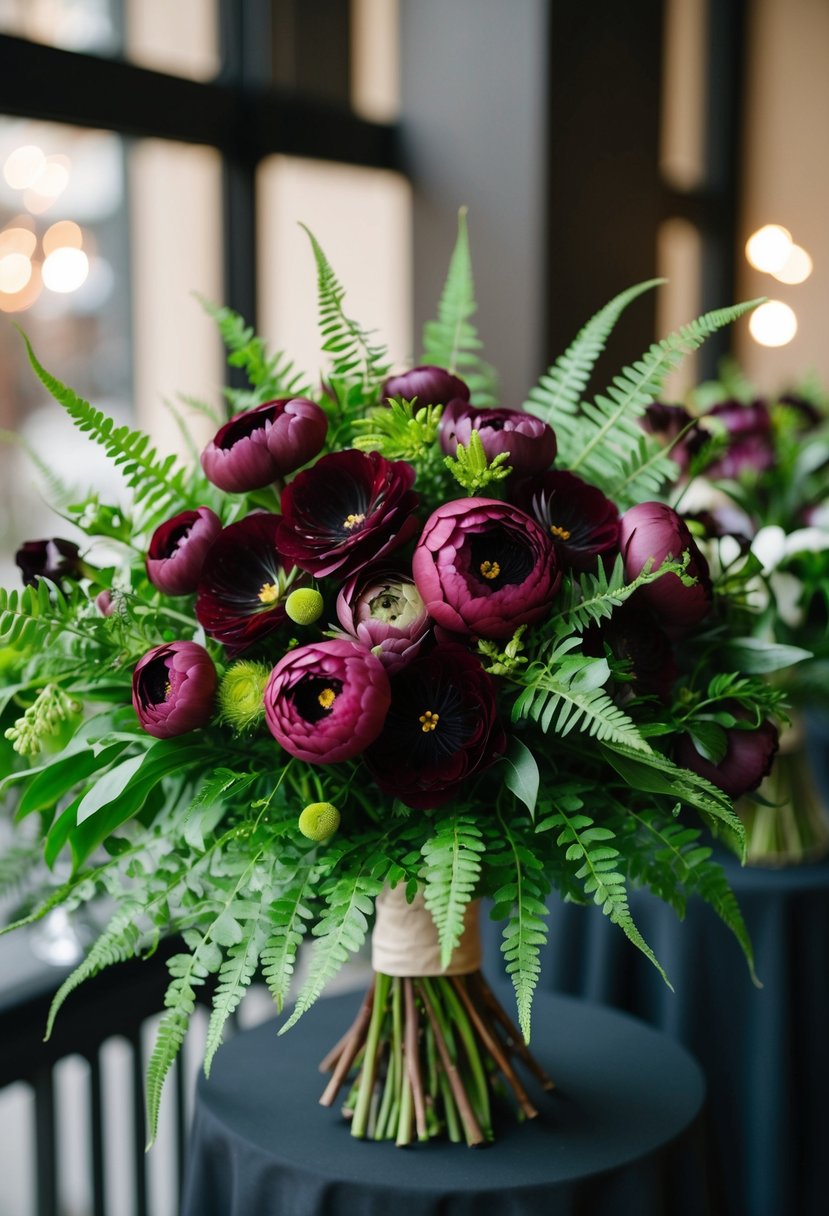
x=347 y=510
x=244 y=582
x=383 y=611
x=327 y=702
x=668 y=422
x=173 y=687
x=484 y=567
x=748 y=759
x=750 y=444
x=651 y=532
x=262 y=444
x=583 y=524
x=529 y=443
x=178 y=548
x=431 y=386
x=633 y=635
x=54 y=559
x=441 y=728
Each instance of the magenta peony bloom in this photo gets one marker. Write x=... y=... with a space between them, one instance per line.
x=54 y=559
x=582 y=523
x=383 y=610
x=748 y=759
x=244 y=583
x=441 y=728
x=349 y=509
x=178 y=548
x=484 y=567
x=652 y=531
x=529 y=442
x=262 y=444
x=431 y=386
x=327 y=702
x=173 y=687
x=750 y=441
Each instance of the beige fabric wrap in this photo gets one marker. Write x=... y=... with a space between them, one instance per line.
x=405 y=941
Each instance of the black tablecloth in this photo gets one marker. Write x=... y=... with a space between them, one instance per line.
x=765 y=1052
x=621 y=1136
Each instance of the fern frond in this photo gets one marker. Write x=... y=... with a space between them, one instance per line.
x=340 y=931
x=269 y=376
x=560 y=390
x=158 y=486
x=589 y=848
x=592 y=599
x=235 y=976
x=290 y=916
x=36 y=617
x=452 y=866
x=521 y=897
x=451 y=340
x=118 y=942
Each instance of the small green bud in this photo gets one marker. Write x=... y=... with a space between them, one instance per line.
x=240 y=694
x=304 y=606
x=319 y=820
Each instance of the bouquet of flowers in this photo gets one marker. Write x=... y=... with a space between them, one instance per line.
x=386 y=646
x=755 y=475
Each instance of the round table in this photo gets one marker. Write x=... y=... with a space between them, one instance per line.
x=765 y=1052
x=622 y=1134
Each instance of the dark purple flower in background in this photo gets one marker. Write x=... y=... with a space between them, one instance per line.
x=383 y=611
x=173 y=687
x=54 y=559
x=668 y=422
x=327 y=702
x=651 y=532
x=529 y=443
x=431 y=386
x=748 y=759
x=103 y=602
x=484 y=567
x=441 y=728
x=349 y=509
x=178 y=548
x=259 y=446
x=749 y=439
x=582 y=523
x=244 y=583
x=634 y=637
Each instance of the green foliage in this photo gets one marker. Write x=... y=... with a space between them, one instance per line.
x=290 y=916
x=49 y=711
x=399 y=431
x=452 y=865
x=451 y=340
x=38 y=617
x=270 y=376
x=520 y=900
x=118 y=942
x=590 y=599
x=507 y=661
x=472 y=469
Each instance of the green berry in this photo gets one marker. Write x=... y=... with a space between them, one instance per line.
x=319 y=820
x=304 y=606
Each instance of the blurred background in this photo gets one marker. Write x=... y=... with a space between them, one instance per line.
x=152 y=151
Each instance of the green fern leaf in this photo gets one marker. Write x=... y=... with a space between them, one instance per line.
x=270 y=376
x=451 y=340
x=235 y=976
x=290 y=916
x=521 y=897
x=452 y=866
x=189 y=972
x=118 y=942
x=37 y=617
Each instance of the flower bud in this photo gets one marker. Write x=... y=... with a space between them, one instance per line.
x=241 y=693
x=304 y=606
x=319 y=821
x=173 y=687
x=178 y=548
x=55 y=559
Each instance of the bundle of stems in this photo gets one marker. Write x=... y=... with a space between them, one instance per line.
x=791 y=824
x=426 y=1056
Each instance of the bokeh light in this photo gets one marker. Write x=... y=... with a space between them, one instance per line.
x=773 y=323
x=17 y=240
x=65 y=234
x=768 y=248
x=65 y=269
x=15 y=273
x=23 y=166
x=796 y=268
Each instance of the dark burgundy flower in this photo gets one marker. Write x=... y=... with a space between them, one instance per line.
x=484 y=567
x=349 y=509
x=383 y=610
x=750 y=445
x=634 y=636
x=582 y=523
x=651 y=532
x=54 y=559
x=327 y=702
x=178 y=549
x=262 y=444
x=244 y=583
x=668 y=422
x=441 y=728
x=431 y=386
x=748 y=759
x=529 y=442
x=173 y=687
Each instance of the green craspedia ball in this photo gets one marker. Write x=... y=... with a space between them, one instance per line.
x=240 y=694
x=304 y=606
x=319 y=820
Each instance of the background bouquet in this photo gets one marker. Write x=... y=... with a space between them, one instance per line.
x=385 y=638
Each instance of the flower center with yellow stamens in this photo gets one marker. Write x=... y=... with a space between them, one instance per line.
x=268 y=593
x=561 y=533
x=428 y=721
x=327 y=698
x=351 y=521
x=168 y=688
x=490 y=569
